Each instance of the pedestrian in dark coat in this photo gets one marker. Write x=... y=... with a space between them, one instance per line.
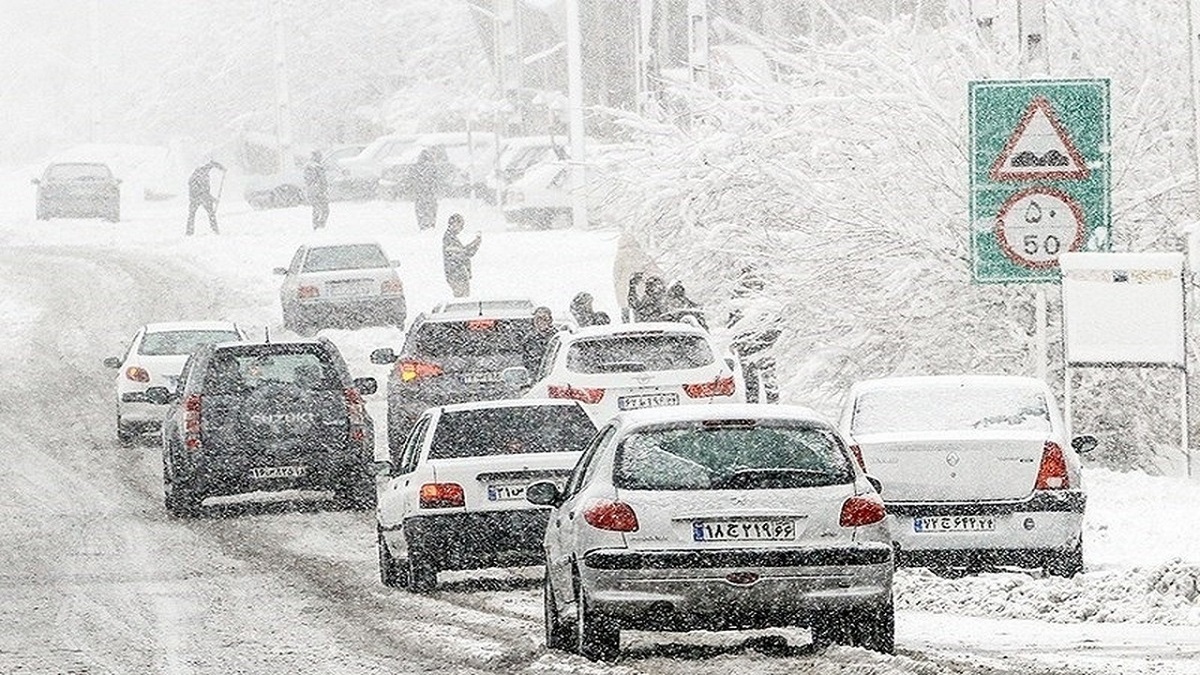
x=316 y=185
x=538 y=340
x=651 y=303
x=429 y=177
x=200 y=194
x=456 y=257
x=582 y=312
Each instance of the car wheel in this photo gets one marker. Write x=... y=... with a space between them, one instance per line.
x=114 y=215
x=43 y=213
x=874 y=628
x=597 y=637
x=181 y=501
x=558 y=635
x=831 y=628
x=1066 y=563
x=391 y=571
x=126 y=434
x=422 y=575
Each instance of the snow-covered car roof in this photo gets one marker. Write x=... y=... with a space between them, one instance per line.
x=172 y=326
x=721 y=411
x=510 y=403
x=482 y=307
x=637 y=328
x=921 y=381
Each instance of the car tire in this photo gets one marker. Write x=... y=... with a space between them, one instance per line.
x=181 y=501
x=597 y=637
x=126 y=435
x=831 y=628
x=1066 y=563
x=391 y=571
x=43 y=212
x=114 y=215
x=874 y=628
x=558 y=634
x=422 y=575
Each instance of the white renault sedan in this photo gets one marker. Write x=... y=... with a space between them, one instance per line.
x=614 y=368
x=155 y=358
x=716 y=517
x=455 y=498
x=339 y=285
x=977 y=470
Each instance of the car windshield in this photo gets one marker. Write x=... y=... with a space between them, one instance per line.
x=162 y=343
x=511 y=431
x=472 y=337
x=78 y=172
x=950 y=407
x=352 y=257
x=638 y=352
x=731 y=455
x=237 y=370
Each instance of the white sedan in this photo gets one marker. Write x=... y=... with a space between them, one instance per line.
x=155 y=358
x=614 y=368
x=977 y=471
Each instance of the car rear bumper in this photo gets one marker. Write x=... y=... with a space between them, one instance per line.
x=1023 y=529
x=741 y=588
x=217 y=475
x=132 y=409
x=378 y=310
x=463 y=541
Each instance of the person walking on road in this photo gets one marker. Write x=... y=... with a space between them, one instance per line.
x=429 y=183
x=456 y=257
x=200 y=194
x=316 y=185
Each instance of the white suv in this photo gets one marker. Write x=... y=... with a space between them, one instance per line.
x=456 y=496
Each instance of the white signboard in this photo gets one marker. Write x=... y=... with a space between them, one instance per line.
x=1123 y=308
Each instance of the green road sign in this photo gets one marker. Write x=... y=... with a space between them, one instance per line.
x=1039 y=176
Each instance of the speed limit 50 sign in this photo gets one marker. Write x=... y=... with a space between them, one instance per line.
x=1039 y=176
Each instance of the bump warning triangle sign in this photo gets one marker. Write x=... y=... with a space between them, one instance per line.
x=1039 y=148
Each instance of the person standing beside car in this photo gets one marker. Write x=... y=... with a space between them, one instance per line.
x=316 y=185
x=428 y=184
x=200 y=194
x=534 y=348
x=456 y=257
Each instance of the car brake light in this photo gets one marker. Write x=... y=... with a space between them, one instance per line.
x=481 y=324
x=308 y=292
x=136 y=374
x=585 y=394
x=857 y=452
x=722 y=386
x=441 y=495
x=191 y=422
x=861 y=510
x=1052 y=474
x=356 y=412
x=613 y=516
x=416 y=370
x=391 y=287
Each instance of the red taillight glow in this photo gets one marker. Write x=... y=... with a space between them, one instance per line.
x=1052 y=474
x=137 y=374
x=857 y=452
x=416 y=370
x=308 y=292
x=722 y=386
x=481 y=324
x=585 y=394
x=613 y=516
x=391 y=287
x=862 y=510
x=441 y=495
x=356 y=411
x=191 y=422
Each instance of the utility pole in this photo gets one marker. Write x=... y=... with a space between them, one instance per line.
x=283 y=112
x=698 y=42
x=94 y=85
x=579 y=217
x=1031 y=30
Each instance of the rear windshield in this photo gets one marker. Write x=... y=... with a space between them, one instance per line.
x=182 y=341
x=471 y=337
x=78 y=172
x=243 y=369
x=950 y=408
x=631 y=353
x=355 y=257
x=736 y=456
x=511 y=431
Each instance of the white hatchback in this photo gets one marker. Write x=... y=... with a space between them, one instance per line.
x=615 y=368
x=977 y=470
x=455 y=498
x=155 y=358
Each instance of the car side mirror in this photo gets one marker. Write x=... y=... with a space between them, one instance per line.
x=383 y=356
x=158 y=395
x=543 y=493
x=112 y=362
x=379 y=468
x=1084 y=444
x=875 y=484
x=280 y=271
x=516 y=377
x=366 y=385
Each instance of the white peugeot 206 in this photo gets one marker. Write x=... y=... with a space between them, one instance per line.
x=455 y=496
x=716 y=517
x=977 y=470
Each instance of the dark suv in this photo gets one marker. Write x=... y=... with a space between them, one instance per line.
x=455 y=354
x=266 y=416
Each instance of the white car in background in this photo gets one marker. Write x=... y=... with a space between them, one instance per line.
x=977 y=471
x=618 y=367
x=351 y=284
x=155 y=358
x=455 y=498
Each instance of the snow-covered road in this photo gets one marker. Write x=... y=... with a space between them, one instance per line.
x=94 y=577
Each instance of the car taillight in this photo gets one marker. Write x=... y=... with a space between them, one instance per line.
x=441 y=495
x=416 y=370
x=391 y=287
x=1052 y=474
x=137 y=374
x=861 y=510
x=308 y=292
x=614 y=516
x=191 y=422
x=585 y=394
x=356 y=411
x=857 y=452
x=722 y=386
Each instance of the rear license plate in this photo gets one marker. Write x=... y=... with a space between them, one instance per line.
x=260 y=472
x=934 y=524
x=647 y=401
x=744 y=530
x=343 y=289
x=482 y=378
x=506 y=492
